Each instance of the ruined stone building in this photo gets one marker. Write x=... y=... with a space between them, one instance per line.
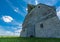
x=41 y=21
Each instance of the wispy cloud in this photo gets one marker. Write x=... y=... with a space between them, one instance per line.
x=4 y=32
x=16 y=9
x=18 y=28
x=16 y=32
x=48 y=2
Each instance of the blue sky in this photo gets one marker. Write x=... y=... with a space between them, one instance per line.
x=13 y=12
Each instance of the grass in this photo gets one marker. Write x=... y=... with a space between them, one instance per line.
x=21 y=39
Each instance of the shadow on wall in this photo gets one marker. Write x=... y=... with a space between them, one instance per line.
x=22 y=33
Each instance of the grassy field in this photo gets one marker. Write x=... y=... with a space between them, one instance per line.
x=20 y=39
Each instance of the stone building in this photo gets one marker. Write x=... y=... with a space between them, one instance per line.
x=41 y=21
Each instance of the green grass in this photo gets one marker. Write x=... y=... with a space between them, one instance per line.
x=20 y=39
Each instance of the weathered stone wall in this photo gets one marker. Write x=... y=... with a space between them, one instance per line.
x=23 y=33
x=51 y=28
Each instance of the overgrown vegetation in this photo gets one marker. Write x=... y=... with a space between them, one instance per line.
x=21 y=39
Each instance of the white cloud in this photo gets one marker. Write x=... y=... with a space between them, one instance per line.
x=9 y=33
x=16 y=9
x=58 y=8
x=26 y=9
x=58 y=12
x=36 y=2
x=7 y=19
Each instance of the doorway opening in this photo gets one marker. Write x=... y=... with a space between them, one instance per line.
x=31 y=36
